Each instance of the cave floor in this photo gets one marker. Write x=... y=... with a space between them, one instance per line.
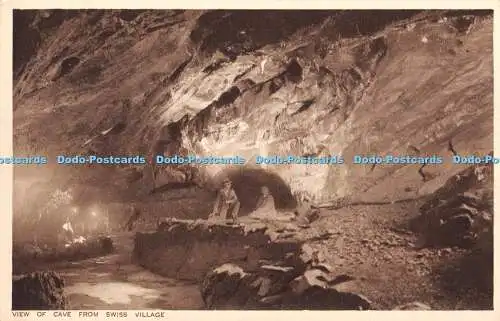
x=372 y=244
x=368 y=242
x=114 y=282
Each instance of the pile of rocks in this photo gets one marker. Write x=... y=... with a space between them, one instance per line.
x=303 y=284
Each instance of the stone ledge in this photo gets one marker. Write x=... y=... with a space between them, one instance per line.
x=188 y=249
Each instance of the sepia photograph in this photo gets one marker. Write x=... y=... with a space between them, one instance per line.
x=251 y=160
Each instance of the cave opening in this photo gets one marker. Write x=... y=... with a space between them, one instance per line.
x=67 y=65
x=247 y=183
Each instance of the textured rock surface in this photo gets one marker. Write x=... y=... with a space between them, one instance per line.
x=38 y=291
x=224 y=83
x=246 y=266
x=187 y=249
x=460 y=212
x=229 y=286
x=239 y=83
x=92 y=247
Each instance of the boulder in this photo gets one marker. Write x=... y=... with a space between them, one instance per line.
x=454 y=214
x=277 y=278
x=276 y=287
x=38 y=291
x=229 y=286
x=309 y=279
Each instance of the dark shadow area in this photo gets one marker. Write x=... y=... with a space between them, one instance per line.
x=469 y=277
x=39 y=291
x=479 y=13
x=363 y=22
x=172 y=186
x=228 y=97
x=247 y=183
x=87 y=72
x=25 y=39
x=130 y=14
x=235 y=32
x=28 y=26
x=293 y=72
x=67 y=65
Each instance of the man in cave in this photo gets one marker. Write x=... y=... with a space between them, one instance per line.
x=226 y=203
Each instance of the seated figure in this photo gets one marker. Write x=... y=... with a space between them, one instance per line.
x=265 y=208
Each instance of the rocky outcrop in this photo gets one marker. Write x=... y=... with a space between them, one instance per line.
x=458 y=220
x=185 y=249
x=460 y=212
x=251 y=265
x=278 y=287
x=38 y=291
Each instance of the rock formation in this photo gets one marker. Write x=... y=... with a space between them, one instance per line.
x=222 y=83
x=251 y=266
x=192 y=248
x=460 y=211
x=277 y=287
x=80 y=250
x=38 y=291
x=309 y=84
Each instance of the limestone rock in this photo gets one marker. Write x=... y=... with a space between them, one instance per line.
x=309 y=279
x=455 y=213
x=275 y=287
x=222 y=287
x=38 y=291
x=187 y=249
x=80 y=250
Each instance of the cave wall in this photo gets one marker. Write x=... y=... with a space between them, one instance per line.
x=226 y=83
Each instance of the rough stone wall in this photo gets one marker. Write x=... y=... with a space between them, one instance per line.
x=189 y=249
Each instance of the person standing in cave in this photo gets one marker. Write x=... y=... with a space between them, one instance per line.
x=226 y=202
